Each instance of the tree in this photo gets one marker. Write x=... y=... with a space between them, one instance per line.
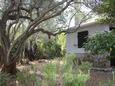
x=107 y=9
x=26 y=16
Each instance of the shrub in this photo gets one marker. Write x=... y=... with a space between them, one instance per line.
x=49 y=50
x=61 y=40
x=101 y=44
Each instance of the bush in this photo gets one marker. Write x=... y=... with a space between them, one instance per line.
x=101 y=44
x=61 y=40
x=4 y=78
x=49 y=50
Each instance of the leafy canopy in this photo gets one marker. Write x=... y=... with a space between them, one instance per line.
x=107 y=10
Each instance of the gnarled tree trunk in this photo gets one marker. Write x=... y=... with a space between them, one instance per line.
x=10 y=68
x=11 y=20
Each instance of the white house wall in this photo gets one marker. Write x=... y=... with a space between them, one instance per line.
x=72 y=40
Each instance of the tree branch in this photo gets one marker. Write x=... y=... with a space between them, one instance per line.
x=38 y=21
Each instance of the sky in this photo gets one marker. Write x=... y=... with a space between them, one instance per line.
x=84 y=9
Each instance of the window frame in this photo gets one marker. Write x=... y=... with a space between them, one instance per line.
x=82 y=38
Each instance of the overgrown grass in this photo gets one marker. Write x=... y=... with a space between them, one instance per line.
x=28 y=77
x=56 y=74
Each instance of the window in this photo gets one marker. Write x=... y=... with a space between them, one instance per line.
x=82 y=38
x=112 y=28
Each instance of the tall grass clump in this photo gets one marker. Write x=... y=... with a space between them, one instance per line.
x=28 y=77
x=73 y=75
x=50 y=73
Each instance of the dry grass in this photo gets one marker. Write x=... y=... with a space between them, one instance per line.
x=96 y=76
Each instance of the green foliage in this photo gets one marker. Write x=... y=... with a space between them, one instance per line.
x=26 y=78
x=49 y=50
x=61 y=40
x=68 y=59
x=52 y=49
x=46 y=48
x=4 y=78
x=85 y=67
x=73 y=76
x=107 y=8
x=50 y=72
x=101 y=43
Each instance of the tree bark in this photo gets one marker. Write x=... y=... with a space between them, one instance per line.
x=11 y=68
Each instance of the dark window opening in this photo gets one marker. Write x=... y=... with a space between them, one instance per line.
x=112 y=28
x=112 y=60
x=82 y=38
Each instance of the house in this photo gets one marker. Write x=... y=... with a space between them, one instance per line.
x=76 y=40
